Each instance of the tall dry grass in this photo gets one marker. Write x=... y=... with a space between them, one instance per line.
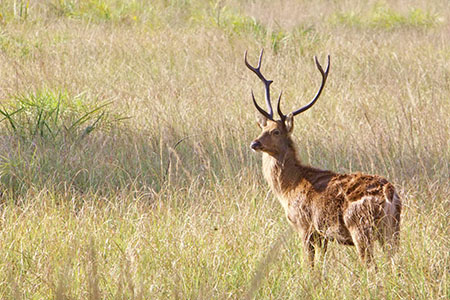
x=124 y=163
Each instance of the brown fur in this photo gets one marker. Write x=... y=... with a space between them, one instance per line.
x=352 y=209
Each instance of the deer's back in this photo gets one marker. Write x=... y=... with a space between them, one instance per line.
x=326 y=202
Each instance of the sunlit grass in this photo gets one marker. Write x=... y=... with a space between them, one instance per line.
x=382 y=16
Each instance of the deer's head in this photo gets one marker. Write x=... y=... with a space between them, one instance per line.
x=275 y=135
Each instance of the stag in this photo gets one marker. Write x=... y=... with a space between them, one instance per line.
x=352 y=209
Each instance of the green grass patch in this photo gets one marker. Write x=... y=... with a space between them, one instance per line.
x=50 y=115
x=382 y=16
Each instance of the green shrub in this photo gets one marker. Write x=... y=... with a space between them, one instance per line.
x=49 y=114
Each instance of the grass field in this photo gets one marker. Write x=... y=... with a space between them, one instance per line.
x=125 y=170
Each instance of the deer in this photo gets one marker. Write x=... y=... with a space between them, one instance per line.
x=352 y=209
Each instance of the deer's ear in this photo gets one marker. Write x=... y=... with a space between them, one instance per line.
x=289 y=122
x=262 y=120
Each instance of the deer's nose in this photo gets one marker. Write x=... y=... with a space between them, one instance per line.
x=255 y=145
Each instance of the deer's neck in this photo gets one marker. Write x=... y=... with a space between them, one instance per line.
x=282 y=172
x=287 y=176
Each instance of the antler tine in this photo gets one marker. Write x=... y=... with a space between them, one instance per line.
x=266 y=82
x=324 y=79
x=282 y=116
x=262 y=111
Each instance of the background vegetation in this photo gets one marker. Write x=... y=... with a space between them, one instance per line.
x=125 y=170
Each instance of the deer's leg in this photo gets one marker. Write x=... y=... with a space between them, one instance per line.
x=308 y=246
x=359 y=220
x=395 y=243
x=385 y=235
x=320 y=244
x=391 y=239
x=391 y=225
x=323 y=246
x=395 y=237
x=363 y=239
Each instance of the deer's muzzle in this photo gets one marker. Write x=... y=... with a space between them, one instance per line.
x=256 y=145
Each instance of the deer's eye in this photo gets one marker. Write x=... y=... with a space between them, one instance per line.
x=276 y=132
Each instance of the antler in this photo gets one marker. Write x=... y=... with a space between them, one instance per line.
x=266 y=82
x=307 y=106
